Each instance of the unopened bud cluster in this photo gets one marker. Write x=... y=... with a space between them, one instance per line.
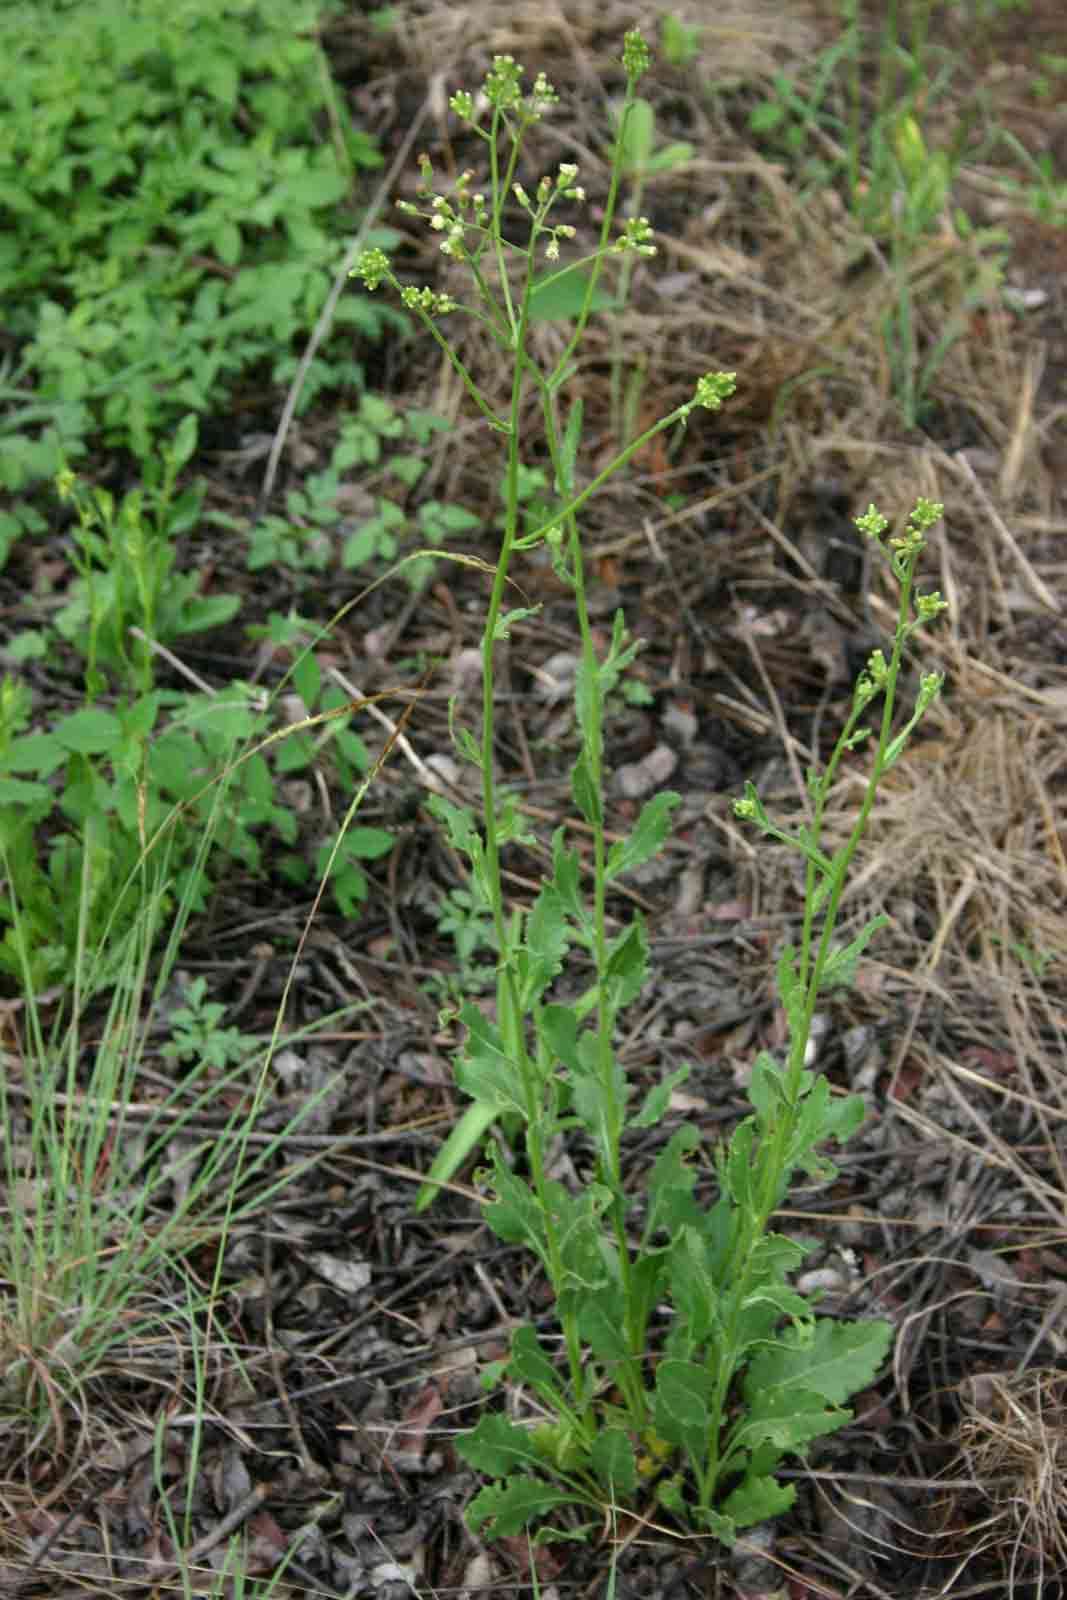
x=373 y=266
x=636 y=236
x=503 y=91
x=428 y=300
x=713 y=388
x=635 y=55
x=909 y=544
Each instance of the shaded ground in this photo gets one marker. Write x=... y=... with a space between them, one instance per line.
x=352 y=1334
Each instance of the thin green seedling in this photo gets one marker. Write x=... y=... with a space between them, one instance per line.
x=701 y=1412
x=898 y=186
x=125 y=557
x=1037 y=962
x=192 y=1567
x=678 y=42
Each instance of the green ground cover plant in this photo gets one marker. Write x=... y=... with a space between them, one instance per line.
x=172 y=215
x=176 y=186
x=745 y=1374
x=161 y=787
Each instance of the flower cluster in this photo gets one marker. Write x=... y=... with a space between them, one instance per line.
x=450 y=216
x=548 y=191
x=909 y=543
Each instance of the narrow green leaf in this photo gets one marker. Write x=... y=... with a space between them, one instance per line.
x=139 y=719
x=566 y=877
x=458 y=822
x=656 y=1101
x=569 y=451
x=529 y=1364
x=790 y=988
x=638 y=137
x=693 y=1287
x=184 y=444
x=601 y=1320
x=766 y=1088
x=627 y=966
x=197 y=616
x=486 y=1070
x=671 y=1183
x=585 y=792
x=787 y=1421
x=647 y=836
x=670 y=157
x=546 y=930
x=505 y=622
x=840 y=968
x=465 y=1137
x=307 y=680
x=559 y=1027
x=739 y=1172
x=682 y=1416
x=515 y=1214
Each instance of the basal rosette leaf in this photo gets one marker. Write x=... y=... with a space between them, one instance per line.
x=530 y=1364
x=682 y=1405
x=787 y=1420
x=756 y=1500
x=497 y=1447
x=613 y=1461
x=833 y=1360
x=504 y=1509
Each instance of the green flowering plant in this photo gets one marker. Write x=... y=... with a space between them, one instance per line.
x=744 y=1375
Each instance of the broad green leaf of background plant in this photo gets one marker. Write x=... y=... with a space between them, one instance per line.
x=559 y=296
x=640 y=158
